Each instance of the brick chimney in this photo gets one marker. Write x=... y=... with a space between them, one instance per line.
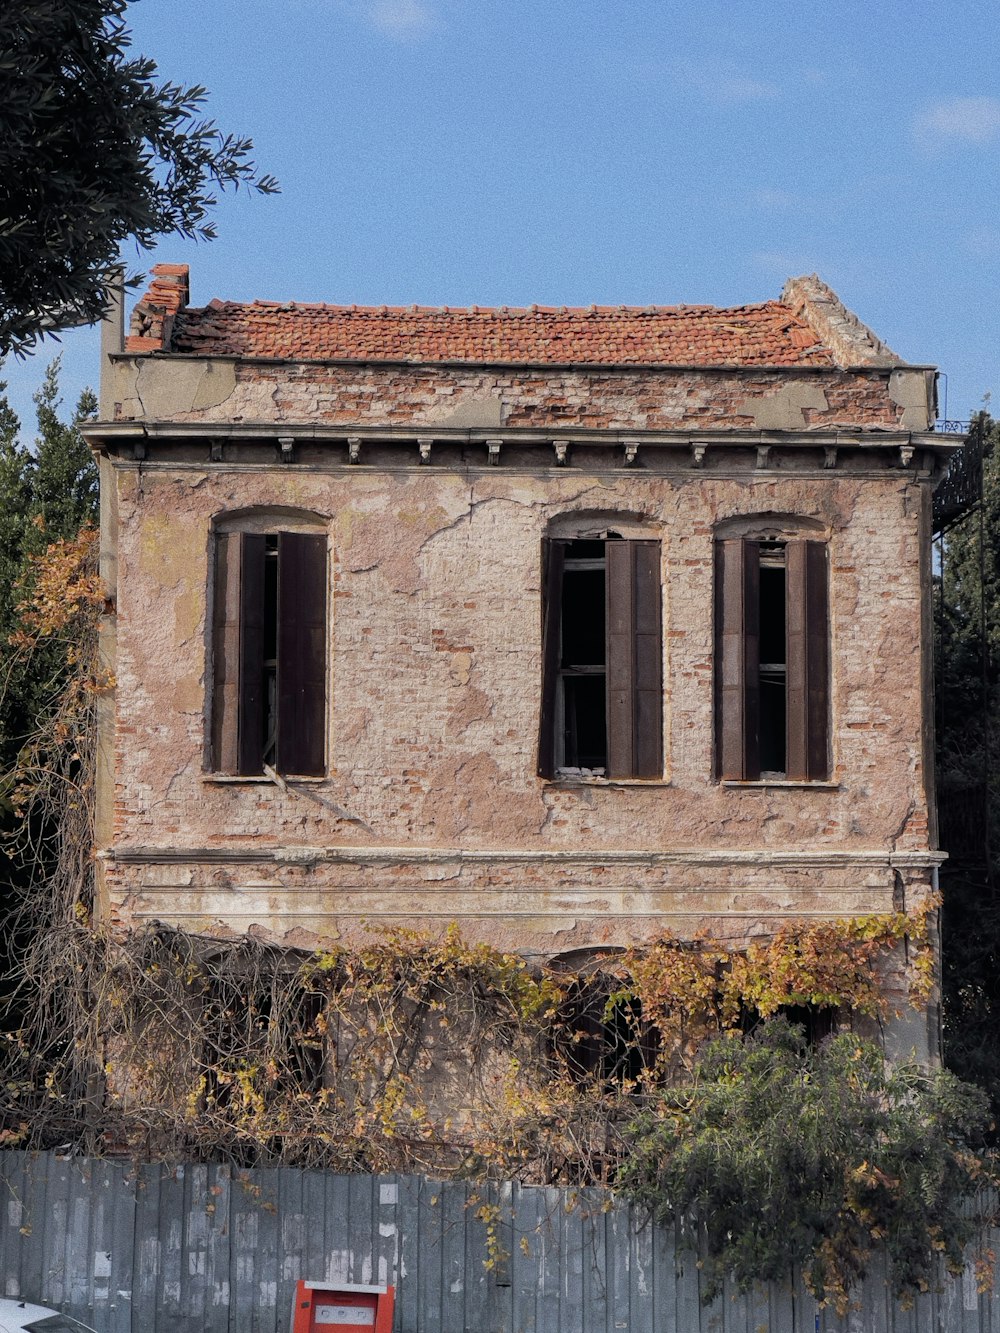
x=153 y=318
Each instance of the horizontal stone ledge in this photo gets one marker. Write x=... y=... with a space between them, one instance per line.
x=869 y=467
x=576 y=913
x=415 y=433
x=285 y=855
x=869 y=370
x=258 y=901
x=694 y=892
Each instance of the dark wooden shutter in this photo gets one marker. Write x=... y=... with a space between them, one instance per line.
x=226 y=654
x=737 y=611
x=808 y=660
x=251 y=689
x=553 y=559
x=634 y=659
x=302 y=635
x=237 y=653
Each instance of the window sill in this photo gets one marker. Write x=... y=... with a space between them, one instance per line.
x=804 y=784
x=572 y=780
x=258 y=779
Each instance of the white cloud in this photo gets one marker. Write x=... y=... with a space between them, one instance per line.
x=966 y=119
x=402 y=18
x=723 y=81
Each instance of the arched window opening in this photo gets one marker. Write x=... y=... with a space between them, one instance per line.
x=269 y=646
x=602 y=685
x=251 y=1019
x=772 y=652
x=603 y=1037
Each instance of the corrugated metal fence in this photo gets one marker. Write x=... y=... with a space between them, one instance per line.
x=210 y=1249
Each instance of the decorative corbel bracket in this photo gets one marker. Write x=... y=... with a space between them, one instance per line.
x=698 y=455
x=906 y=452
x=286 y=443
x=763 y=454
x=493 y=452
x=562 y=451
x=354 y=449
x=829 y=455
x=425 y=450
x=631 y=453
x=215 y=451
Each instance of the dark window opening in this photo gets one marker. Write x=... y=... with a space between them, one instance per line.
x=269 y=654
x=305 y=1042
x=278 y=1028
x=816 y=1022
x=772 y=660
x=269 y=665
x=604 y=1037
x=585 y=727
x=773 y=674
x=602 y=673
x=583 y=659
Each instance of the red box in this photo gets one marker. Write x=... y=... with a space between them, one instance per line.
x=351 y=1308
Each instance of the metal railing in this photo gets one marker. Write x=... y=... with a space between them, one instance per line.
x=962 y=488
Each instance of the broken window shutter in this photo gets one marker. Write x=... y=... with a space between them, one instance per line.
x=301 y=687
x=648 y=649
x=808 y=660
x=226 y=654
x=737 y=609
x=250 y=740
x=553 y=558
x=634 y=659
x=818 y=640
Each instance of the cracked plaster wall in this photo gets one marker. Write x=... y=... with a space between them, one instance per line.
x=433 y=718
x=197 y=389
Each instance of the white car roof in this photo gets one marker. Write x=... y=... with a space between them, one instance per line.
x=14 y=1315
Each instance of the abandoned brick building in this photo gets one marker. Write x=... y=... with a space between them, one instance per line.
x=566 y=625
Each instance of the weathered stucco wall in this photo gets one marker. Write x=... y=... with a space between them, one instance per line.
x=434 y=698
x=186 y=389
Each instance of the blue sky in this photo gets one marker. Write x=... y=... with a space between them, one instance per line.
x=573 y=151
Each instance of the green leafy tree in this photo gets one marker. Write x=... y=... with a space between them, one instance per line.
x=94 y=151
x=783 y=1156
x=48 y=491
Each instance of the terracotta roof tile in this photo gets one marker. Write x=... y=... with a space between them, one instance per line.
x=765 y=334
x=772 y=333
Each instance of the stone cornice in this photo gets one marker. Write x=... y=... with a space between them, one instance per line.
x=685 y=447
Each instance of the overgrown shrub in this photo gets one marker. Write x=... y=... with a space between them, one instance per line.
x=782 y=1156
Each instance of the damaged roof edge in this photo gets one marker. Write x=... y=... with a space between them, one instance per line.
x=851 y=342
x=821 y=332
